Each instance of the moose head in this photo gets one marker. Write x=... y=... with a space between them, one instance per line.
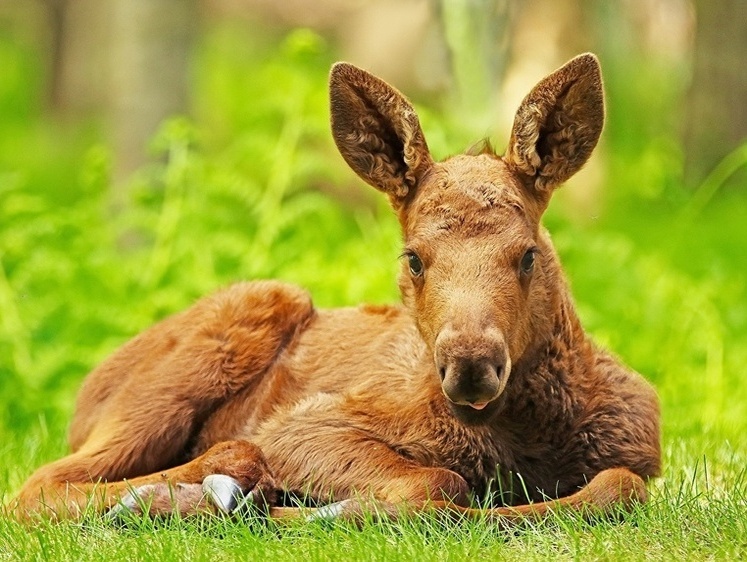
x=479 y=274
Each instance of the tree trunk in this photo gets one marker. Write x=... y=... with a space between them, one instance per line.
x=151 y=44
x=78 y=43
x=717 y=106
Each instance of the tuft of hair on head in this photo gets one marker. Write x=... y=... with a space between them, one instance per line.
x=483 y=146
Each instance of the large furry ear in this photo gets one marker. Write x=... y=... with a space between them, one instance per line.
x=558 y=124
x=377 y=131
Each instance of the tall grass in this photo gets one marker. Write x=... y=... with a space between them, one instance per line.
x=262 y=193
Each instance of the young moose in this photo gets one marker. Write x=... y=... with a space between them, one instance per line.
x=483 y=381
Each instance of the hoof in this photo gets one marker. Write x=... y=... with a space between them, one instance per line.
x=162 y=499
x=333 y=511
x=217 y=494
x=132 y=503
x=226 y=493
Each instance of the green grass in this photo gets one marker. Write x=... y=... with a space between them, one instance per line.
x=262 y=193
x=686 y=519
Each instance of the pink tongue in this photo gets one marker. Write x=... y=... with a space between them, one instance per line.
x=479 y=405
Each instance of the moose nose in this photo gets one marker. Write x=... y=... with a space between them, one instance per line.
x=473 y=365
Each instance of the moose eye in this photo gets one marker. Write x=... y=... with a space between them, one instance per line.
x=416 y=266
x=527 y=261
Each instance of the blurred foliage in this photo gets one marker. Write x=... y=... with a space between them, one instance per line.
x=263 y=193
x=77 y=278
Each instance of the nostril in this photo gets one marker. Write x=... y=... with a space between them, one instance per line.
x=499 y=371
x=442 y=373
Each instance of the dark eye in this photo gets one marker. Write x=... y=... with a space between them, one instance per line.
x=527 y=262
x=416 y=266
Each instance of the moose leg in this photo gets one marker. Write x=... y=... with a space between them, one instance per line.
x=179 y=489
x=610 y=491
x=319 y=456
x=140 y=410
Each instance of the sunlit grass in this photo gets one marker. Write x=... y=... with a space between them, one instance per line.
x=687 y=518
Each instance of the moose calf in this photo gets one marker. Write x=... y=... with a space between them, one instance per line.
x=482 y=384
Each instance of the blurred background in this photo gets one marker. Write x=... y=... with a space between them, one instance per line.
x=152 y=151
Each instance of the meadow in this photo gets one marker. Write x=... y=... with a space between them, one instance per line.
x=657 y=272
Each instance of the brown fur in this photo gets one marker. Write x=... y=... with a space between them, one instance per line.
x=484 y=381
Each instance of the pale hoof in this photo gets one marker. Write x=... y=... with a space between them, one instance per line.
x=162 y=499
x=226 y=493
x=132 y=503
x=333 y=511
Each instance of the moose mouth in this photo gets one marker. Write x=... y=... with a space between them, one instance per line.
x=476 y=387
x=474 y=413
x=481 y=405
x=473 y=366
x=478 y=405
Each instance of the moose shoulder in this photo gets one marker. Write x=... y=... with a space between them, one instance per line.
x=483 y=381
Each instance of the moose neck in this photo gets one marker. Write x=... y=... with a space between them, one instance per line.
x=550 y=363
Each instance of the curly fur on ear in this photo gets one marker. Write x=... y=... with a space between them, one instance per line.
x=558 y=124
x=377 y=131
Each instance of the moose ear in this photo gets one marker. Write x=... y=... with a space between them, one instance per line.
x=558 y=124
x=377 y=132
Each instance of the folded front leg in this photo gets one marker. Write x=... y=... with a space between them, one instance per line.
x=180 y=489
x=317 y=456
